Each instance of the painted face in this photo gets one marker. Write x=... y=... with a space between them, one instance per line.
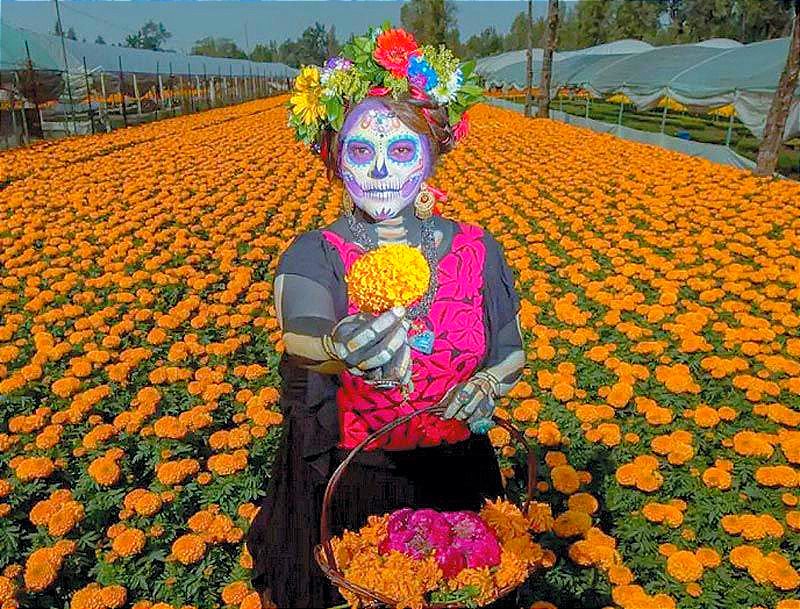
x=383 y=162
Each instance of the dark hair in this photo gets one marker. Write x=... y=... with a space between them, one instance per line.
x=432 y=124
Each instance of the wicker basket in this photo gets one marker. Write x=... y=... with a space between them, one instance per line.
x=323 y=552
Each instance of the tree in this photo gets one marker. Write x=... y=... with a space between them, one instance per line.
x=488 y=42
x=529 y=59
x=635 y=19
x=150 y=36
x=99 y=40
x=517 y=37
x=313 y=45
x=781 y=102
x=218 y=47
x=333 y=44
x=430 y=21
x=547 y=61
x=592 y=17
x=265 y=52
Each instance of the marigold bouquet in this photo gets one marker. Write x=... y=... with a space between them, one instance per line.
x=423 y=556
x=391 y=275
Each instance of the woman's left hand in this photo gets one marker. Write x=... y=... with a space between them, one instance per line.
x=470 y=401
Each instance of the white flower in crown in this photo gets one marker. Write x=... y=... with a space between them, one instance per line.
x=446 y=91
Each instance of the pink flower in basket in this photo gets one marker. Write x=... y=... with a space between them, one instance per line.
x=458 y=540
x=416 y=533
x=473 y=538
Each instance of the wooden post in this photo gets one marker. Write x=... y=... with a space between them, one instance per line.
x=136 y=93
x=547 y=60
x=171 y=91
x=25 y=134
x=182 y=93
x=159 y=89
x=208 y=93
x=122 y=92
x=34 y=88
x=14 y=117
x=191 y=88
x=769 y=150
x=106 y=120
x=88 y=94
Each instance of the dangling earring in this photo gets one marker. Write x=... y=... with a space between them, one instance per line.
x=347 y=202
x=424 y=203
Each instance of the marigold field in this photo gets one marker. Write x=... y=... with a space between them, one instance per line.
x=138 y=351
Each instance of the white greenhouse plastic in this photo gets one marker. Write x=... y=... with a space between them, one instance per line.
x=705 y=75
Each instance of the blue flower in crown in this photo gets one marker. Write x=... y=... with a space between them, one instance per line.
x=421 y=73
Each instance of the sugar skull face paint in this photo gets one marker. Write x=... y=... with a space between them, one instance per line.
x=383 y=162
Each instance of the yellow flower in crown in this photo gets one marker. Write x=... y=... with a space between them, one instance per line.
x=389 y=276
x=305 y=102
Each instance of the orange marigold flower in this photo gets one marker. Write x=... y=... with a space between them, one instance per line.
x=188 y=549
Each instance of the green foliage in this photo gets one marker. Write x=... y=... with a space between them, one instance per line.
x=218 y=47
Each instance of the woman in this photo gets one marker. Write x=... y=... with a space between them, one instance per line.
x=344 y=371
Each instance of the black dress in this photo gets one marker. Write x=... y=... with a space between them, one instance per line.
x=445 y=477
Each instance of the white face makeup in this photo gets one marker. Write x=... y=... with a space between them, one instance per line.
x=383 y=163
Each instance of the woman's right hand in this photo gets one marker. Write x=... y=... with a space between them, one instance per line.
x=375 y=347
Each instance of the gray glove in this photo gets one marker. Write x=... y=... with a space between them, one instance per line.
x=472 y=400
x=373 y=347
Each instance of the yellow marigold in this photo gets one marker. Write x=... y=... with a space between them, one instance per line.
x=88 y=598
x=389 y=276
x=33 y=468
x=7 y=589
x=104 y=471
x=129 y=542
x=188 y=549
x=565 y=479
x=539 y=516
x=235 y=592
x=41 y=569
x=708 y=557
x=572 y=523
x=583 y=502
x=253 y=601
x=684 y=566
x=114 y=596
x=504 y=518
x=65 y=519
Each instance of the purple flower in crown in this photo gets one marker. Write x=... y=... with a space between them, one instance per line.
x=337 y=62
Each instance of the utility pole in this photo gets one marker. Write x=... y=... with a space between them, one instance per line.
x=66 y=64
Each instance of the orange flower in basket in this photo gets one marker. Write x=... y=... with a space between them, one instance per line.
x=389 y=276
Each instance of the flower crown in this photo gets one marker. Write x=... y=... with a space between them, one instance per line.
x=385 y=61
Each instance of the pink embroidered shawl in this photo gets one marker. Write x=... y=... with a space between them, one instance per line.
x=456 y=318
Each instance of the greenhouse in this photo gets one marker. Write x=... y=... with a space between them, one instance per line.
x=103 y=83
x=701 y=76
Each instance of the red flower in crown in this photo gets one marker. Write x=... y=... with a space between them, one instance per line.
x=393 y=49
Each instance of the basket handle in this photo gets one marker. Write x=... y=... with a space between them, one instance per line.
x=437 y=408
